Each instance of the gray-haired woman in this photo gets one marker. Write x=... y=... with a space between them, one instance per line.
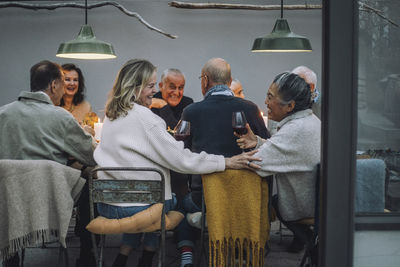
x=292 y=153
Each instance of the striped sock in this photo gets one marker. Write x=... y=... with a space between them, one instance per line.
x=186 y=256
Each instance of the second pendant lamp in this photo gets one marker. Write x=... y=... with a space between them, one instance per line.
x=85 y=45
x=281 y=39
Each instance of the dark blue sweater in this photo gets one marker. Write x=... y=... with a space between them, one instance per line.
x=211 y=126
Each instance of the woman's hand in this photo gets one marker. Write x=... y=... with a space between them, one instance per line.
x=242 y=161
x=158 y=103
x=248 y=140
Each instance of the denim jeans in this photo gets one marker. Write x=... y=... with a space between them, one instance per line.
x=134 y=240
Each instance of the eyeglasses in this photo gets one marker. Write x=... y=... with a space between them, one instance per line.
x=201 y=76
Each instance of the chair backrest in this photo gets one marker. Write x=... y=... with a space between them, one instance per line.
x=132 y=190
x=370 y=185
x=126 y=191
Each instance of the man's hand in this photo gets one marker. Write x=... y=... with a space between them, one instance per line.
x=157 y=103
x=88 y=129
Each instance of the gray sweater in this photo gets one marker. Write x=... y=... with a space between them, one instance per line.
x=292 y=154
x=33 y=128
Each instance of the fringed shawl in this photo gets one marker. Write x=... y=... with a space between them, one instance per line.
x=237 y=217
x=37 y=197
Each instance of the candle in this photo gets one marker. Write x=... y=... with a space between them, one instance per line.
x=265 y=118
x=97 y=130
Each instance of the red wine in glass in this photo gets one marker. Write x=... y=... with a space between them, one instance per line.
x=182 y=130
x=239 y=122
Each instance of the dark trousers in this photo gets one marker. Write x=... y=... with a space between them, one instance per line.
x=186 y=234
x=83 y=219
x=301 y=232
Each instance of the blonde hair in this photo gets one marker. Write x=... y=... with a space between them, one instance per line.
x=131 y=79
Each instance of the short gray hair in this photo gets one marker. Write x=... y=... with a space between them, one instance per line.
x=307 y=74
x=218 y=70
x=166 y=72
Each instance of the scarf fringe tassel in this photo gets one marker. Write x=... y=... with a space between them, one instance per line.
x=38 y=236
x=225 y=253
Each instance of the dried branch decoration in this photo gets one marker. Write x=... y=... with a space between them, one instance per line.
x=188 y=5
x=90 y=6
x=178 y=4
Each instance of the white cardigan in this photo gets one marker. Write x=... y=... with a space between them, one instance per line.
x=139 y=139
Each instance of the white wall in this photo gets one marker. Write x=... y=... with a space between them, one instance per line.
x=29 y=36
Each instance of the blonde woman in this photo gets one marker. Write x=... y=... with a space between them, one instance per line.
x=133 y=135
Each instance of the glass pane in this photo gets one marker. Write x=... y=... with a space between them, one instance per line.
x=378 y=107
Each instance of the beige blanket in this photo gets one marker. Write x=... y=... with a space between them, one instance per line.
x=237 y=217
x=37 y=198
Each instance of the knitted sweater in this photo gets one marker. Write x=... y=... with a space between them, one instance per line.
x=292 y=154
x=140 y=139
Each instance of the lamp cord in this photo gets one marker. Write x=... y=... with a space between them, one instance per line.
x=85 y=12
x=281 y=9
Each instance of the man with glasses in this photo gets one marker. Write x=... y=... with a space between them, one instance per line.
x=212 y=132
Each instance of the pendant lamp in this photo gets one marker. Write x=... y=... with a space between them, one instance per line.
x=85 y=45
x=281 y=39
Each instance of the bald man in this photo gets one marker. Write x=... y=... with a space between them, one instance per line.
x=237 y=88
x=211 y=131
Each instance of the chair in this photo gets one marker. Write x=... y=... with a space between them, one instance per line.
x=370 y=185
x=203 y=247
x=38 y=197
x=310 y=256
x=128 y=191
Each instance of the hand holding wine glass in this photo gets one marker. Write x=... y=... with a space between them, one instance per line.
x=182 y=130
x=239 y=123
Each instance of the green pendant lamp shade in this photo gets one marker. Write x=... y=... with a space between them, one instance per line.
x=86 y=46
x=281 y=39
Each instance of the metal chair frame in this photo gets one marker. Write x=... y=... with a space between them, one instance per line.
x=309 y=258
x=127 y=191
x=203 y=248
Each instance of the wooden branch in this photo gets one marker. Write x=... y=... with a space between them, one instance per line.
x=367 y=8
x=90 y=6
x=187 y=5
x=178 y=4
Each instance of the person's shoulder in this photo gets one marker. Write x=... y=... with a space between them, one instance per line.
x=145 y=114
x=61 y=113
x=187 y=99
x=194 y=106
x=245 y=102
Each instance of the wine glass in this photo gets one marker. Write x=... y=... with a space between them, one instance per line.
x=239 y=122
x=182 y=130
